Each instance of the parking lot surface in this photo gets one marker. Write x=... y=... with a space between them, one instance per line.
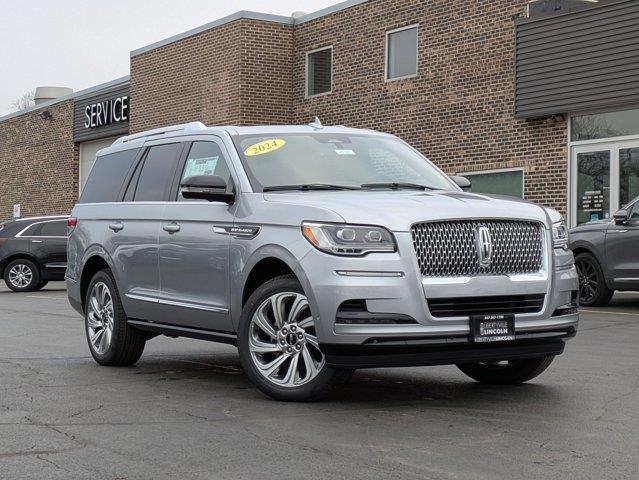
x=186 y=411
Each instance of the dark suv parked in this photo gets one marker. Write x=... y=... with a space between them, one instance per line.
x=33 y=251
x=606 y=256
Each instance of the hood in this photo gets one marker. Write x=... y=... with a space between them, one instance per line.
x=398 y=210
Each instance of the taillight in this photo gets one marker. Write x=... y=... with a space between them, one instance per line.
x=72 y=222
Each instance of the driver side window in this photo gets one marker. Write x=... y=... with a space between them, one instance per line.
x=204 y=158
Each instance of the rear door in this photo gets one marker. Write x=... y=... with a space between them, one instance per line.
x=132 y=230
x=194 y=246
x=48 y=244
x=622 y=251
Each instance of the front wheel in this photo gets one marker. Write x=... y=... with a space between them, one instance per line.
x=593 y=291
x=278 y=344
x=508 y=372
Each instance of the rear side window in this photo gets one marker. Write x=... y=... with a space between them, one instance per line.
x=54 y=229
x=107 y=176
x=157 y=173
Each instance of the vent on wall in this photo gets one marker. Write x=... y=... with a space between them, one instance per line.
x=543 y=8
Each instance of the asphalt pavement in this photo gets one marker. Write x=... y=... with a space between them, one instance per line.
x=186 y=411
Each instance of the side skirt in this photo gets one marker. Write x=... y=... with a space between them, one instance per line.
x=179 y=331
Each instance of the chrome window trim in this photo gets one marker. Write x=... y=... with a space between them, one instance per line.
x=21 y=232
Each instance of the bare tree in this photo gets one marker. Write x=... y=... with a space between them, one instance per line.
x=24 y=102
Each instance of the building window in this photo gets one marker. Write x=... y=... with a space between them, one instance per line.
x=604 y=125
x=319 y=71
x=502 y=182
x=401 y=53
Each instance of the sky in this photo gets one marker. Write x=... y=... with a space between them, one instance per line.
x=82 y=43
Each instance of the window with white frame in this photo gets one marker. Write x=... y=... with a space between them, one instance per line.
x=401 y=52
x=319 y=71
x=502 y=182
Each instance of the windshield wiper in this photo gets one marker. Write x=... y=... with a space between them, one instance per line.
x=398 y=186
x=308 y=186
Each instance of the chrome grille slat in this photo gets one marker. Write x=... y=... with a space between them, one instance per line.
x=448 y=248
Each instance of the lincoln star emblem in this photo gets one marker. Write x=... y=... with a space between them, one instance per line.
x=484 y=244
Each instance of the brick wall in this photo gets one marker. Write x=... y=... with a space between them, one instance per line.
x=238 y=73
x=38 y=163
x=459 y=109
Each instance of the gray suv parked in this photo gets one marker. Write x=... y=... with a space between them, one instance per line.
x=317 y=251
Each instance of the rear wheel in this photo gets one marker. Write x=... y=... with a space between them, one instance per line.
x=593 y=291
x=22 y=275
x=509 y=372
x=278 y=344
x=112 y=341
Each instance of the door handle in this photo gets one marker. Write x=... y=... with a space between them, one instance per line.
x=171 y=227
x=116 y=226
x=36 y=241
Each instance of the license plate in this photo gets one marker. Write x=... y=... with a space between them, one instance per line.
x=492 y=328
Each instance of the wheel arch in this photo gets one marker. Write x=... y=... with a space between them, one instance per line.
x=95 y=259
x=264 y=264
x=18 y=256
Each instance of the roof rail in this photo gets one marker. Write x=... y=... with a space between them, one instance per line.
x=185 y=127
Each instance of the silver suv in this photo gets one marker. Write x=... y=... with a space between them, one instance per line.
x=316 y=251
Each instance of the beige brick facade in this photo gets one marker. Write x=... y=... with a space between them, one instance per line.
x=38 y=162
x=238 y=73
x=458 y=110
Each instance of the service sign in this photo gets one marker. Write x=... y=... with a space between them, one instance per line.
x=102 y=114
x=107 y=112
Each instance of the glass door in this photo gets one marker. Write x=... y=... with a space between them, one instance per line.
x=604 y=178
x=592 y=172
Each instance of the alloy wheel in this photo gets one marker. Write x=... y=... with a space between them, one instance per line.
x=283 y=342
x=20 y=275
x=588 y=283
x=100 y=318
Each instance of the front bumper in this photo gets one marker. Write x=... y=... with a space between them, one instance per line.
x=412 y=352
x=392 y=285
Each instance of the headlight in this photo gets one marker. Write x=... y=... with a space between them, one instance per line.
x=559 y=235
x=350 y=240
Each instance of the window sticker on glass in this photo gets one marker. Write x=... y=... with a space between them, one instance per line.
x=266 y=146
x=200 y=166
x=344 y=152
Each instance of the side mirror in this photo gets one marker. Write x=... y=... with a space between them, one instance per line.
x=621 y=216
x=462 y=182
x=207 y=187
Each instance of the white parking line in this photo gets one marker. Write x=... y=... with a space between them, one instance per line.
x=609 y=312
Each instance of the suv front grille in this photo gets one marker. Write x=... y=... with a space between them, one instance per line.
x=450 y=248
x=466 y=306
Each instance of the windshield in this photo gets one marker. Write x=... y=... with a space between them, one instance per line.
x=334 y=160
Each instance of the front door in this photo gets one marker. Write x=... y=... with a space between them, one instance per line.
x=622 y=251
x=194 y=251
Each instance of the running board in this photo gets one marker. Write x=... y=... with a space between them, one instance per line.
x=178 y=331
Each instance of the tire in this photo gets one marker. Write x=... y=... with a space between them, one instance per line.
x=510 y=372
x=593 y=291
x=41 y=285
x=22 y=275
x=281 y=357
x=119 y=344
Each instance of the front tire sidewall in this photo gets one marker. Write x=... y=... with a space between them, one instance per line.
x=603 y=294
x=35 y=278
x=317 y=388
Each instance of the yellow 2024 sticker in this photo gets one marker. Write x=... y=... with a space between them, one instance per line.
x=266 y=146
